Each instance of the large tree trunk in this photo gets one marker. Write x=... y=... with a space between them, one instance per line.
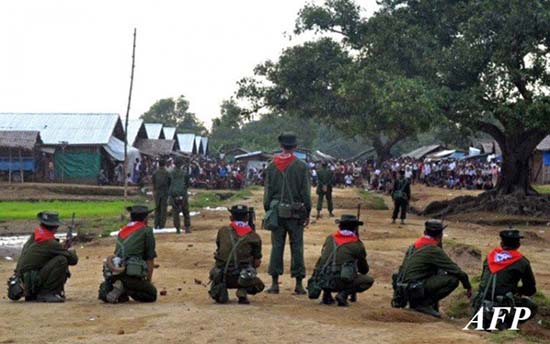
x=383 y=150
x=515 y=176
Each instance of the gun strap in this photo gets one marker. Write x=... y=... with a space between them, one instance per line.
x=332 y=257
x=411 y=251
x=286 y=186
x=232 y=253
x=492 y=281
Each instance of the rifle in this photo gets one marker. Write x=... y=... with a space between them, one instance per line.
x=69 y=237
x=252 y=218
x=358 y=216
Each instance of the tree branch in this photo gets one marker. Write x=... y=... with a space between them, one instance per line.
x=494 y=131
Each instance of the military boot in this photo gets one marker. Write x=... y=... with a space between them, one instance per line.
x=187 y=230
x=342 y=299
x=114 y=295
x=242 y=296
x=318 y=215
x=353 y=297
x=50 y=298
x=274 y=289
x=427 y=309
x=331 y=214
x=327 y=298
x=299 y=289
x=402 y=222
x=178 y=230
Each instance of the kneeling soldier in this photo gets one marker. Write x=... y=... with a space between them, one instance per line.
x=130 y=271
x=427 y=274
x=238 y=254
x=43 y=267
x=342 y=266
x=504 y=267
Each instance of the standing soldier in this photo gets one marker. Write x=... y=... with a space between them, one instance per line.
x=401 y=194
x=427 y=274
x=324 y=189
x=43 y=267
x=238 y=255
x=179 y=183
x=161 y=185
x=343 y=265
x=287 y=197
x=130 y=271
x=503 y=269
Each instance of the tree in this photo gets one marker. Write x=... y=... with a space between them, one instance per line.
x=175 y=114
x=331 y=82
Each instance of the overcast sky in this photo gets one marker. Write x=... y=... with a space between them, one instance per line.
x=75 y=55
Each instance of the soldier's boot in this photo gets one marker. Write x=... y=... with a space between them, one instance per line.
x=331 y=214
x=393 y=221
x=178 y=230
x=50 y=298
x=274 y=289
x=327 y=298
x=299 y=289
x=353 y=297
x=402 y=221
x=242 y=296
x=342 y=299
x=425 y=307
x=318 y=215
x=187 y=230
x=114 y=295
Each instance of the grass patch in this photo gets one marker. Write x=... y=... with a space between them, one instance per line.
x=21 y=210
x=459 y=305
x=217 y=198
x=373 y=201
x=543 y=189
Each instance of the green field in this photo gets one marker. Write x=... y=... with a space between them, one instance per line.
x=543 y=189
x=373 y=201
x=20 y=210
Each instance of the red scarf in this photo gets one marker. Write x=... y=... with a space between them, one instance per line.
x=424 y=241
x=282 y=161
x=341 y=239
x=130 y=228
x=241 y=228
x=500 y=259
x=41 y=234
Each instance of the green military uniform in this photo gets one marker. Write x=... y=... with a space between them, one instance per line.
x=401 y=194
x=179 y=182
x=505 y=268
x=161 y=185
x=427 y=267
x=324 y=189
x=43 y=266
x=238 y=248
x=297 y=190
x=135 y=245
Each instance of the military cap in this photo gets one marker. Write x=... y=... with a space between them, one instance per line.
x=139 y=209
x=349 y=220
x=49 y=218
x=511 y=234
x=434 y=225
x=239 y=209
x=288 y=139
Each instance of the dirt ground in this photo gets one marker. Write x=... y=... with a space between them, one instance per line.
x=187 y=315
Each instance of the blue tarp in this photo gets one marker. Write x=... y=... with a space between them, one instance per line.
x=546 y=158
x=28 y=164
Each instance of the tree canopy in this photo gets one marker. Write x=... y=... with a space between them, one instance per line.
x=175 y=113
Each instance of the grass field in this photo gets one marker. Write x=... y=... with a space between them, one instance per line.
x=544 y=189
x=20 y=210
x=373 y=201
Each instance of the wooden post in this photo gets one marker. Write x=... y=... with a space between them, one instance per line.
x=125 y=169
x=21 y=167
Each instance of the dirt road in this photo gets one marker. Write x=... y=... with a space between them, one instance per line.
x=187 y=315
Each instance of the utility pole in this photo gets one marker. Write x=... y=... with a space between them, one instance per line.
x=125 y=169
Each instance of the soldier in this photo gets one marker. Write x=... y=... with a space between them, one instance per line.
x=287 y=195
x=503 y=269
x=161 y=185
x=324 y=189
x=43 y=266
x=401 y=194
x=179 y=182
x=427 y=274
x=130 y=271
x=238 y=254
x=343 y=263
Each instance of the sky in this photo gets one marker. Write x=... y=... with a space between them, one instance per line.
x=75 y=55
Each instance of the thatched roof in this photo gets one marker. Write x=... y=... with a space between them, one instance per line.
x=155 y=147
x=26 y=140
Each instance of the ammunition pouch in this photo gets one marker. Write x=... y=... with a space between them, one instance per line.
x=15 y=288
x=247 y=277
x=136 y=267
x=348 y=272
x=284 y=211
x=112 y=266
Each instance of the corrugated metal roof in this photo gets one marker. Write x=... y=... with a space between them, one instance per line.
x=169 y=133
x=156 y=147
x=19 y=139
x=153 y=130
x=421 y=152
x=74 y=128
x=133 y=130
x=544 y=145
x=187 y=143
